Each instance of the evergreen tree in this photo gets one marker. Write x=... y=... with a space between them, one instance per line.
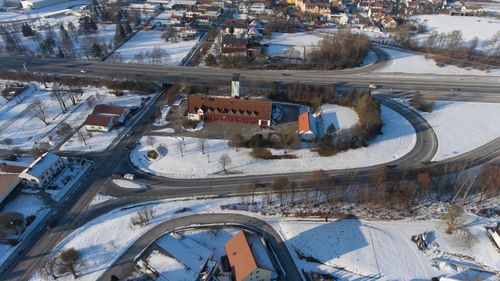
x=27 y=30
x=96 y=50
x=128 y=28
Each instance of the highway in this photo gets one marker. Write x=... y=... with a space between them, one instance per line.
x=76 y=213
x=163 y=73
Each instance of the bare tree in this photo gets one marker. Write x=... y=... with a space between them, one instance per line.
x=39 y=110
x=454 y=218
x=91 y=101
x=64 y=130
x=279 y=186
x=180 y=147
x=143 y=217
x=202 y=144
x=50 y=267
x=225 y=161
x=151 y=140
x=12 y=220
x=68 y=261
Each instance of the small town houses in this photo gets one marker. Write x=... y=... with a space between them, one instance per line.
x=104 y=117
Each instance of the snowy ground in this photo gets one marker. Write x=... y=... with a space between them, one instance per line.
x=340 y=116
x=127 y=184
x=398 y=138
x=100 y=198
x=364 y=248
x=146 y=40
x=416 y=63
x=482 y=27
x=456 y=126
x=281 y=42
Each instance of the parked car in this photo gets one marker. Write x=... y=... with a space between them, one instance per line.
x=129 y=177
x=116 y=175
x=51 y=224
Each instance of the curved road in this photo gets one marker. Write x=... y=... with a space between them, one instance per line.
x=126 y=261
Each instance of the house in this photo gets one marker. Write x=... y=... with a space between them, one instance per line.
x=8 y=182
x=307 y=126
x=472 y=10
x=314 y=7
x=341 y=19
x=101 y=123
x=233 y=46
x=120 y=113
x=42 y=170
x=388 y=22
x=193 y=257
x=11 y=169
x=248 y=261
x=369 y=27
x=238 y=28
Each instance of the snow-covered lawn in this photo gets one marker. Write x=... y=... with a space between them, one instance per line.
x=26 y=204
x=279 y=42
x=380 y=248
x=482 y=27
x=100 y=198
x=127 y=184
x=340 y=116
x=410 y=62
x=146 y=40
x=376 y=248
x=397 y=139
x=462 y=126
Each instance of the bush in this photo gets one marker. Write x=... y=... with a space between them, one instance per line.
x=30 y=219
x=152 y=154
x=261 y=153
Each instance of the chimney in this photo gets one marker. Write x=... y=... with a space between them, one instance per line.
x=235 y=86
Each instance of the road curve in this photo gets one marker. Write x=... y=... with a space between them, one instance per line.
x=126 y=261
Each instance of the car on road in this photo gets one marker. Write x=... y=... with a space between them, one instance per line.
x=129 y=177
x=116 y=175
x=51 y=224
x=129 y=133
x=456 y=89
x=83 y=71
x=285 y=74
x=373 y=86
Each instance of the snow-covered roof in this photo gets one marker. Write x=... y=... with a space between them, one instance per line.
x=259 y=252
x=41 y=164
x=187 y=251
x=169 y=268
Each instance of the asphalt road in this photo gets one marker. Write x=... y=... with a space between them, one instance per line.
x=126 y=262
x=76 y=213
x=163 y=73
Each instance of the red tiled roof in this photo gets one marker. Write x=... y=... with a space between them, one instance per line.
x=11 y=168
x=304 y=122
x=6 y=183
x=221 y=105
x=98 y=120
x=240 y=256
x=108 y=109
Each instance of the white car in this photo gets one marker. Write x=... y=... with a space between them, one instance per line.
x=129 y=177
x=83 y=71
x=373 y=86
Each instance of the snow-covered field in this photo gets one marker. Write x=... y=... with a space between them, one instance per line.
x=375 y=248
x=462 y=126
x=340 y=116
x=416 y=63
x=281 y=42
x=146 y=40
x=100 y=198
x=482 y=27
x=127 y=184
x=397 y=139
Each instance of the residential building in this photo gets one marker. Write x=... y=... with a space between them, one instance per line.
x=8 y=183
x=233 y=46
x=388 y=22
x=101 y=123
x=189 y=253
x=42 y=171
x=314 y=7
x=307 y=128
x=120 y=113
x=11 y=169
x=211 y=108
x=248 y=262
